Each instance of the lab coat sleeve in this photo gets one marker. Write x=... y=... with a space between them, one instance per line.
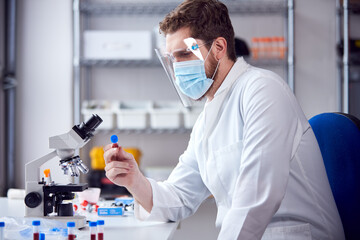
x=180 y=195
x=270 y=126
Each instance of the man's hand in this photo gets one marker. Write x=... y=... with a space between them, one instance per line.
x=122 y=169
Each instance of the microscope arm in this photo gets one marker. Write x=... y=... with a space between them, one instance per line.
x=32 y=169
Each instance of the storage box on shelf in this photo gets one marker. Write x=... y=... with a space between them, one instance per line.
x=191 y=114
x=117 y=45
x=132 y=114
x=166 y=115
x=103 y=109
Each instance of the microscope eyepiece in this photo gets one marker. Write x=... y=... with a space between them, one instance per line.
x=93 y=122
x=85 y=129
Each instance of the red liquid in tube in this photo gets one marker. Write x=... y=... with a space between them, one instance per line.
x=100 y=236
x=71 y=237
x=93 y=236
x=36 y=236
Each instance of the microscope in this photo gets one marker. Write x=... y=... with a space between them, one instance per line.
x=45 y=199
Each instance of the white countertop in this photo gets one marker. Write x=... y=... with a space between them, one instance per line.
x=121 y=227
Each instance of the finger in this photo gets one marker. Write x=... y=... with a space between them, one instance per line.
x=112 y=155
x=107 y=147
x=114 y=173
x=117 y=164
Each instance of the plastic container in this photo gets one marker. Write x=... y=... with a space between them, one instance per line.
x=91 y=195
x=103 y=109
x=36 y=225
x=166 y=115
x=192 y=114
x=71 y=230
x=100 y=229
x=93 y=230
x=132 y=114
x=2 y=226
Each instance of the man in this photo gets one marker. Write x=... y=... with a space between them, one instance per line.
x=252 y=148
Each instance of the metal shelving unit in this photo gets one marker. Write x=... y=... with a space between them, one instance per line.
x=83 y=9
x=144 y=131
x=344 y=65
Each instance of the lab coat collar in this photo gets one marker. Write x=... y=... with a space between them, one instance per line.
x=239 y=67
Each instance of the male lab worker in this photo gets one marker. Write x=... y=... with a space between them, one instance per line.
x=252 y=148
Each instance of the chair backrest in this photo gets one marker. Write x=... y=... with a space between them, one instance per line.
x=338 y=136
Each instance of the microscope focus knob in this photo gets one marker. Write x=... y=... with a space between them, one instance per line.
x=33 y=199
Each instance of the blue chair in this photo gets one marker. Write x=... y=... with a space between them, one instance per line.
x=338 y=135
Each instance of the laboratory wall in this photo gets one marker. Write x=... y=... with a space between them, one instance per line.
x=2 y=100
x=44 y=74
x=316 y=85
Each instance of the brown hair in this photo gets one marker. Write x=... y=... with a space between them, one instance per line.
x=207 y=20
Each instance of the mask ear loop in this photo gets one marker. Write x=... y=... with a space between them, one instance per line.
x=217 y=66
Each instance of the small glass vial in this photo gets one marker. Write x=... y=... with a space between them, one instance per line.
x=92 y=226
x=71 y=230
x=100 y=229
x=36 y=225
x=2 y=226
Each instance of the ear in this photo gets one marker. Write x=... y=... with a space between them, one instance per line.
x=220 y=48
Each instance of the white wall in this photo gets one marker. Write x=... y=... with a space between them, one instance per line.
x=315 y=56
x=44 y=73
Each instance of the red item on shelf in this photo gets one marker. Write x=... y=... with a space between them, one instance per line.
x=93 y=236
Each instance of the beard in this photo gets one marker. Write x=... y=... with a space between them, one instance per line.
x=210 y=69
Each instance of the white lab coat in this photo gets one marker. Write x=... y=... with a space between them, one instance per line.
x=253 y=149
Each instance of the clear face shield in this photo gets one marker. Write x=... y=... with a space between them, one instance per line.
x=189 y=53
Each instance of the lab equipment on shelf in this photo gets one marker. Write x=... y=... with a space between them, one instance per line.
x=166 y=115
x=42 y=236
x=118 y=45
x=132 y=114
x=270 y=48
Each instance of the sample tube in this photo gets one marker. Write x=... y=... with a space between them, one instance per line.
x=100 y=228
x=47 y=176
x=92 y=226
x=36 y=225
x=114 y=140
x=71 y=230
x=2 y=226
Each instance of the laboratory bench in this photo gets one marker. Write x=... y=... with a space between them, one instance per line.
x=124 y=227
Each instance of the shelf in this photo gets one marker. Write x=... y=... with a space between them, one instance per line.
x=156 y=63
x=119 y=63
x=144 y=131
x=162 y=8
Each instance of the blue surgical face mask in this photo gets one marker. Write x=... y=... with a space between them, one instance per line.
x=191 y=77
